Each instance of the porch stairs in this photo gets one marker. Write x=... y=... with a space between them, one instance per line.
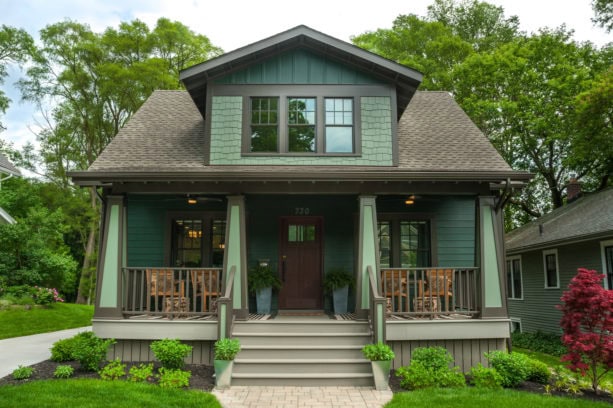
x=302 y=352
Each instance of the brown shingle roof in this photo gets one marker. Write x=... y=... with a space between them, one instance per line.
x=166 y=135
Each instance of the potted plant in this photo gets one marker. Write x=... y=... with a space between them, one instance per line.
x=225 y=352
x=338 y=281
x=380 y=356
x=262 y=280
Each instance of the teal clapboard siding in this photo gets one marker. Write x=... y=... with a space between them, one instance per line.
x=263 y=228
x=298 y=67
x=537 y=310
x=376 y=138
x=453 y=220
x=147 y=226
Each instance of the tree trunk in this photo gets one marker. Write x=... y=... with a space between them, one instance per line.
x=85 y=283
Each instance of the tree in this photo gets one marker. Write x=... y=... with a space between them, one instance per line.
x=587 y=323
x=603 y=13
x=523 y=96
x=95 y=83
x=16 y=46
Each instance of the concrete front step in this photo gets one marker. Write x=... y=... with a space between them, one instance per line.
x=304 y=380
x=282 y=367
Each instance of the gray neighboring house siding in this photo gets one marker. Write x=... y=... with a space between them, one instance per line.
x=578 y=232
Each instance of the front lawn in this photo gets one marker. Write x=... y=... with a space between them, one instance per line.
x=95 y=393
x=59 y=316
x=475 y=397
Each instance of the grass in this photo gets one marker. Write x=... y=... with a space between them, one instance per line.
x=59 y=316
x=475 y=397
x=95 y=393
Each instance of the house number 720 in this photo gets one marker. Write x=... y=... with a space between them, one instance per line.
x=302 y=211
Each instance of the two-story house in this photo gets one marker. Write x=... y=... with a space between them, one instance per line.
x=307 y=153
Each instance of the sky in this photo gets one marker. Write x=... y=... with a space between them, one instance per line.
x=231 y=24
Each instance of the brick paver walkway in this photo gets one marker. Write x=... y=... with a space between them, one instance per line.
x=303 y=397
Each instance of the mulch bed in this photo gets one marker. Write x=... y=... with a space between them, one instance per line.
x=201 y=379
x=527 y=386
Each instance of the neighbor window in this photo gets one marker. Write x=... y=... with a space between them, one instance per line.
x=607 y=262
x=264 y=124
x=301 y=125
x=550 y=266
x=514 y=281
x=339 y=125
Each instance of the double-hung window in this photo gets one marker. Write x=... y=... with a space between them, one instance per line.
x=550 y=267
x=264 y=124
x=339 y=125
x=301 y=125
x=514 y=280
x=404 y=243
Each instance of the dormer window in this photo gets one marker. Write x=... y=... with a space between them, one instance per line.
x=339 y=125
x=264 y=124
x=301 y=124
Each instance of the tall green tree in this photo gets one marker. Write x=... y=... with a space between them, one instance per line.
x=95 y=83
x=16 y=46
x=603 y=13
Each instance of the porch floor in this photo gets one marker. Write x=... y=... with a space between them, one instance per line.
x=303 y=317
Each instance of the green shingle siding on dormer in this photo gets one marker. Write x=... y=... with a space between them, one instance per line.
x=298 y=67
x=376 y=137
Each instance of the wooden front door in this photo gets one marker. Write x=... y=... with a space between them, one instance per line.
x=301 y=263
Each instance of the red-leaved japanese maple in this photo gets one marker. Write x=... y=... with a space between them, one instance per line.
x=587 y=323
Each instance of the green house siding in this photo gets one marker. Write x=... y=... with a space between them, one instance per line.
x=537 y=310
x=376 y=137
x=298 y=67
x=453 y=225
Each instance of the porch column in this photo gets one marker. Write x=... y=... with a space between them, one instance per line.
x=236 y=254
x=491 y=257
x=368 y=253
x=111 y=260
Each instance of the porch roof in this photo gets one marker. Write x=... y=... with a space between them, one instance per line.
x=165 y=141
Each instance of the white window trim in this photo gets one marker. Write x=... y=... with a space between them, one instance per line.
x=603 y=245
x=516 y=320
x=521 y=276
x=551 y=252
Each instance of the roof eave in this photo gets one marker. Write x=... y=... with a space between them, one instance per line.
x=559 y=242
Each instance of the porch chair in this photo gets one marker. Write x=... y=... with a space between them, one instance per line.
x=161 y=282
x=438 y=283
x=206 y=286
x=394 y=287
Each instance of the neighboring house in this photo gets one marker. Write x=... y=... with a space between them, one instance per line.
x=306 y=153
x=7 y=171
x=544 y=255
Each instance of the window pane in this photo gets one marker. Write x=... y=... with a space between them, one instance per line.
x=292 y=233
x=302 y=139
x=218 y=242
x=608 y=253
x=263 y=138
x=309 y=233
x=339 y=139
x=509 y=280
x=551 y=272
x=384 y=243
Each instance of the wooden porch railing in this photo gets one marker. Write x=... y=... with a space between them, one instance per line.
x=431 y=292
x=377 y=308
x=171 y=292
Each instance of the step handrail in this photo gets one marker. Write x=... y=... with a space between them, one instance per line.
x=377 y=308
x=225 y=311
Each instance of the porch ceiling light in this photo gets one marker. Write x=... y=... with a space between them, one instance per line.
x=410 y=200
x=191 y=200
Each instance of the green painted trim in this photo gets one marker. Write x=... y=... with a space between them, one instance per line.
x=234 y=253
x=222 y=320
x=369 y=257
x=493 y=298
x=381 y=320
x=108 y=293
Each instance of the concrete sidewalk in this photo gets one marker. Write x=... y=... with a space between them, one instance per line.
x=28 y=350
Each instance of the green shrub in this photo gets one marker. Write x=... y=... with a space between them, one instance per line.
x=171 y=353
x=46 y=296
x=173 y=378
x=113 y=370
x=513 y=367
x=430 y=368
x=63 y=371
x=482 y=377
x=547 y=343
x=378 y=352
x=90 y=350
x=538 y=371
x=63 y=350
x=21 y=291
x=141 y=373
x=227 y=349
x=22 y=373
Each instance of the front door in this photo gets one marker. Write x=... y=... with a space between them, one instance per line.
x=301 y=263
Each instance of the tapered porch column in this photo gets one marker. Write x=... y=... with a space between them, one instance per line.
x=491 y=256
x=111 y=260
x=368 y=253
x=236 y=254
